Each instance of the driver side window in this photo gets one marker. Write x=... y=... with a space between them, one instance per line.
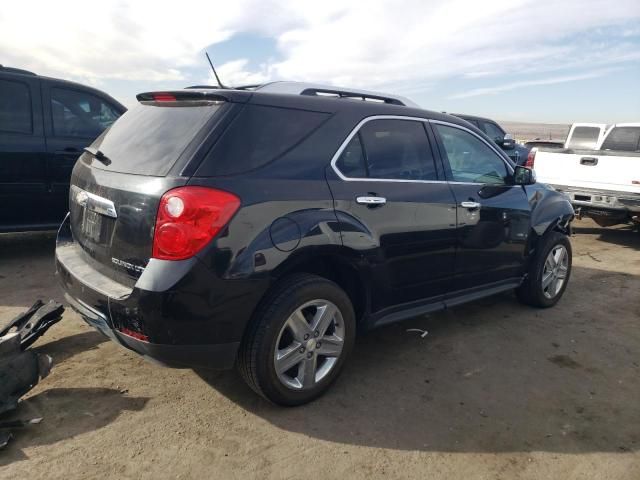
x=492 y=131
x=470 y=159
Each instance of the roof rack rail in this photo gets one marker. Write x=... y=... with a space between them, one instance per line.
x=310 y=89
x=16 y=70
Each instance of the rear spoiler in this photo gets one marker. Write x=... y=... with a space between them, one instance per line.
x=181 y=96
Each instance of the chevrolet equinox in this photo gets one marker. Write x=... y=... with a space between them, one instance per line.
x=264 y=226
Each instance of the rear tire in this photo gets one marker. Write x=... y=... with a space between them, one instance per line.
x=298 y=340
x=549 y=272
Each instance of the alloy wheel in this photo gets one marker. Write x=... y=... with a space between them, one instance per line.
x=309 y=344
x=556 y=269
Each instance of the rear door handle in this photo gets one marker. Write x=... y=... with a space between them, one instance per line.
x=470 y=205
x=371 y=201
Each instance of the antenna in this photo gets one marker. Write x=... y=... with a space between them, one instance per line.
x=214 y=71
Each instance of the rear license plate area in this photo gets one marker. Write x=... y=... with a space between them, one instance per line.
x=91 y=225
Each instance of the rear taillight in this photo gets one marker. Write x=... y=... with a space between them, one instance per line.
x=188 y=218
x=531 y=158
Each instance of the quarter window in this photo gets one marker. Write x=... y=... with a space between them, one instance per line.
x=80 y=114
x=15 y=107
x=389 y=149
x=470 y=159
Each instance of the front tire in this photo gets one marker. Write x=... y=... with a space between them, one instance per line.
x=549 y=272
x=298 y=340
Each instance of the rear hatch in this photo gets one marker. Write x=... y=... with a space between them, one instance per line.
x=117 y=184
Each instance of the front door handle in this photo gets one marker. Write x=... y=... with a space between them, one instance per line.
x=470 y=205
x=371 y=201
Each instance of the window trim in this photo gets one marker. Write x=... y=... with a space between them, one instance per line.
x=356 y=130
x=31 y=110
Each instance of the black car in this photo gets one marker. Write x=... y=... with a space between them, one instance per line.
x=209 y=228
x=44 y=125
x=517 y=152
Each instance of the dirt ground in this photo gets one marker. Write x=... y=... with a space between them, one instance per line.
x=496 y=390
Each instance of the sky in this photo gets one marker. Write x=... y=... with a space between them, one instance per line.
x=516 y=60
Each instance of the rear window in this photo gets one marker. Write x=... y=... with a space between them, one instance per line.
x=15 y=107
x=626 y=139
x=584 y=137
x=257 y=136
x=148 y=139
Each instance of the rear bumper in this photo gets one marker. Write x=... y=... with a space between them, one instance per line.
x=188 y=316
x=217 y=356
x=592 y=200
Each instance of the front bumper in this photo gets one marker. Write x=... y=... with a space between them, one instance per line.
x=186 y=325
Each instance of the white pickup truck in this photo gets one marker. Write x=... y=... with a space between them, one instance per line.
x=599 y=171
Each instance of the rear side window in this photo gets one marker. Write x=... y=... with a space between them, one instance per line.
x=584 y=137
x=15 y=107
x=149 y=139
x=352 y=162
x=257 y=136
x=79 y=114
x=389 y=149
x=626 y=139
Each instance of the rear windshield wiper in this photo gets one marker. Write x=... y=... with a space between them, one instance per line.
x=98 y=155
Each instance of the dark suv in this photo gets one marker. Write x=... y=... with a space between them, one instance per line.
x=215 y=227
x=44 y=125
x=517 y=152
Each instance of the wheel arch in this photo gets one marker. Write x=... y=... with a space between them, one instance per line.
x=550 y=211
x=336 y=263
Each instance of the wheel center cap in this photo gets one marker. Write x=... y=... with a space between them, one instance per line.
x=311 y=345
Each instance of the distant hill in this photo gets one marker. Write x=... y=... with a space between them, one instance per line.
x=529 y=131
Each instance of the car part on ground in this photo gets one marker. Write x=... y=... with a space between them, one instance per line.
x=223 y=242
x=20 y=368
x=33 y=323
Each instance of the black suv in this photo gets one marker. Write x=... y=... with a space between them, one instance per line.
x=517 y=152
x=215 y=227
x=44 y=125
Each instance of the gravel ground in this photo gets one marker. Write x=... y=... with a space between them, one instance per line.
x=496 y=390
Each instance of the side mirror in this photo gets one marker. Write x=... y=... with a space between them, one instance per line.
x=507 y=142
x=523 y=175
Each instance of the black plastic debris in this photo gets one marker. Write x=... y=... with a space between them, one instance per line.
x=32 y=324
x=4 y=439
x=20 y=368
